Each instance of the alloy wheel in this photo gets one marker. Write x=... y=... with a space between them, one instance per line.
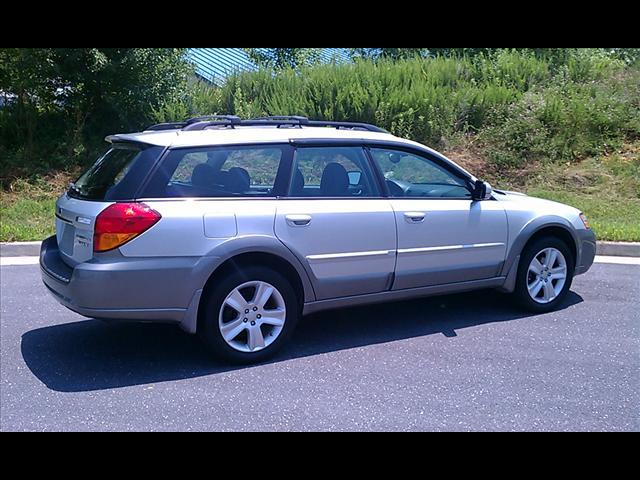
x=252 y=316
x=546 y=275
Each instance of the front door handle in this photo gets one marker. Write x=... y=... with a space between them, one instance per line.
x=414 y=217
x=298 y=220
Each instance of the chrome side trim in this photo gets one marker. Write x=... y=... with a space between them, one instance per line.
x=448 y=248
x=336 y=256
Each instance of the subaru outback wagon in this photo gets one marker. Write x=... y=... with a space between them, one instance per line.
x=235 y=228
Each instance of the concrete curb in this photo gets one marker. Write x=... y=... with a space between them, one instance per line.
x=20 y=249
x=614 y=249
x=618 y=249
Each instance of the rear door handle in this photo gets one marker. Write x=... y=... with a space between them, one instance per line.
x=414 y=217
x=298 y=220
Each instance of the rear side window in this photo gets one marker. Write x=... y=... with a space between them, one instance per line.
x=332 y=172
x=218 y=172
x=117 y=174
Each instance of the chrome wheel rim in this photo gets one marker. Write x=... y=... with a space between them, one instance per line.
x=252 y=316
x=546 y=275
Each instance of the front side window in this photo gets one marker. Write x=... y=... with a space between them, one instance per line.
x=219 y=172
x=408 y=175
x=332 y=172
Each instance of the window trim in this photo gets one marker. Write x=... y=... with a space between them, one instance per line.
x=281 y=192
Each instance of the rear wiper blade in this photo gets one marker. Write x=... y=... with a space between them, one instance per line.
x=75 y=188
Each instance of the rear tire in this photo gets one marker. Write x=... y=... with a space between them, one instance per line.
x=545 y=274
x=249 y=315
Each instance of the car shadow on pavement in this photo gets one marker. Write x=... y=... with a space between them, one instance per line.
x=93 y=355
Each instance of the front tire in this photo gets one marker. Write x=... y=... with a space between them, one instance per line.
x=545 y=274
x=249 y=315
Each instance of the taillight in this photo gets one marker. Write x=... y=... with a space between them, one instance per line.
x=121 y=222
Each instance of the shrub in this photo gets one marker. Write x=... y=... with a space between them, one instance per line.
x=567 y=120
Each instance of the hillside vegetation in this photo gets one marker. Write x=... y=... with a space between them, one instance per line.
x=558 y=123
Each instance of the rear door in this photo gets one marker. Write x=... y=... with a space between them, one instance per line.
x=115 y=176
x=336 y=221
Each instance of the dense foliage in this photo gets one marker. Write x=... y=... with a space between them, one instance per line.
x=59 y=103
x=56 y=104
x=522 y=104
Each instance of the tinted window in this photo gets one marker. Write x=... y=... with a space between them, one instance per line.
x=102 y=180
x=409 y=175
x=219 y=172
x=332 y=172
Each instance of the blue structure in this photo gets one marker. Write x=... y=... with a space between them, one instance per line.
x=215 y=64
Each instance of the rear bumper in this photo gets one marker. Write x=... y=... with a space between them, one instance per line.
x=586 y=250
x=117 y=287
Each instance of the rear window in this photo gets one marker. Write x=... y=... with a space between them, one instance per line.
x=116 y=175
x=219 y=172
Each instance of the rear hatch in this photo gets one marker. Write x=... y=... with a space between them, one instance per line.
x=116 y=176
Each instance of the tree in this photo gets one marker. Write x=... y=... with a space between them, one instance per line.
x=279 y=58
x=391 y=53
x=73 y=97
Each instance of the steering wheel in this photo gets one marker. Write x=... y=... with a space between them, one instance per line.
x=397 y=188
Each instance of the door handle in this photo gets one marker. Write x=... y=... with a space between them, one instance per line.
x=414 y=217
x=298 y=220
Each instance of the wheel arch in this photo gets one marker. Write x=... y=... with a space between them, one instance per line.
x=240 y=258
x=540 y=227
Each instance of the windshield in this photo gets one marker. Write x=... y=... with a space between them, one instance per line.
x=101 y=181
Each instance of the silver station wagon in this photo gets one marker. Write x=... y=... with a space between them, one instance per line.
x=233 y=229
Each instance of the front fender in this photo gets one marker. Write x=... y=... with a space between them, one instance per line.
x=529 y=229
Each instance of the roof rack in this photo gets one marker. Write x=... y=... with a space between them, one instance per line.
x=304 y=121
x=232 y=121
x=200 y=123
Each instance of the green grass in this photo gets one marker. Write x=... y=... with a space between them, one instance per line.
x=26 y=219
x=611 y=217
x=27 y=206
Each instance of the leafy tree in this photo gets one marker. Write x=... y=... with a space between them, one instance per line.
x=392 y=53
x=61 y=99
x=279 y=58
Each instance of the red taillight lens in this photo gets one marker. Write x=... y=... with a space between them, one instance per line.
x=120 y=222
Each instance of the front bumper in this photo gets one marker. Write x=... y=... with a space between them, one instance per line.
x=117 y=287
x=586 y=250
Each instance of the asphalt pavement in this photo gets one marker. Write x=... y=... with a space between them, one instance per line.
x=459 y=362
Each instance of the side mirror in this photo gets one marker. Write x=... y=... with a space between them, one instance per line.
x=481 y=190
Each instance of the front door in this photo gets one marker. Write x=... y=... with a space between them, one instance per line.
x=443 y=235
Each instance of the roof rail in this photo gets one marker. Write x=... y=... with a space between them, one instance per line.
x=304 y=121
x=347 y=125
x=278 y=118
x=200 y=123
x=166 y=126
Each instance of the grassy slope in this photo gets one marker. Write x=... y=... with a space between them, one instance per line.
x=606 y=189
x=27 y=207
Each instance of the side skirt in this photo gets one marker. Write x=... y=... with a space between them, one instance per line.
x=405 y=294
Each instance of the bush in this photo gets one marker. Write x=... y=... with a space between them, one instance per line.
x=59 y=103
x=566 y=120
